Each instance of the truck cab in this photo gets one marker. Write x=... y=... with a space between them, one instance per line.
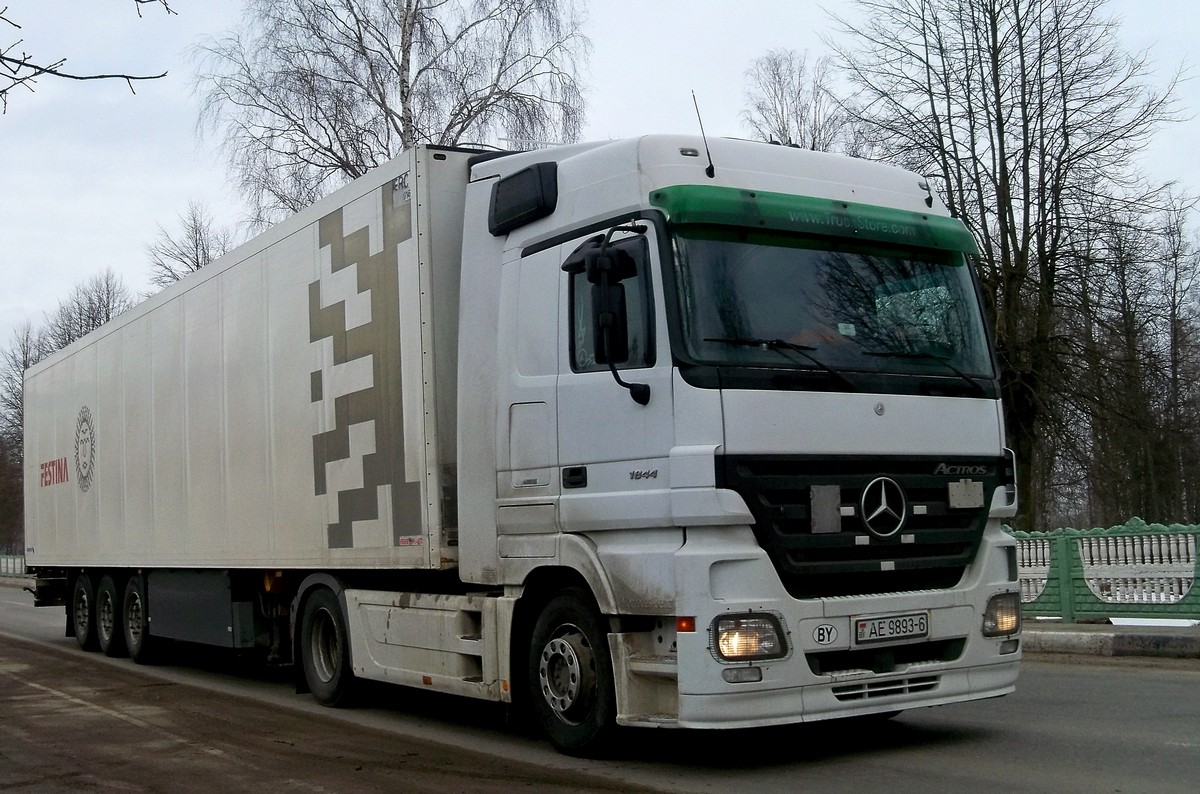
x=745 y=399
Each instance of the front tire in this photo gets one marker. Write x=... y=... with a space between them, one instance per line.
x=325 y=649
x=570 y=675
x=83 y=612
x=110 y=628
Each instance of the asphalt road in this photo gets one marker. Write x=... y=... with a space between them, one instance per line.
x=71 y=721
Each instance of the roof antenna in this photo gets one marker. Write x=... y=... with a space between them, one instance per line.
x=711 y=171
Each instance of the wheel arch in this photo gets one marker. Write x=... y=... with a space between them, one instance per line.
x=541 y=585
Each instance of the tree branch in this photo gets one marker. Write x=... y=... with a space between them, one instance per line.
x=16 y=64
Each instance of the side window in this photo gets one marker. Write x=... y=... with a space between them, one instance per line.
x=624 y=305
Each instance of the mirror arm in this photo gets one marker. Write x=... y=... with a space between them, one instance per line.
x=640 y=392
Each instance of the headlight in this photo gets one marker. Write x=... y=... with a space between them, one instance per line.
x=747 y=638
x=1003 y=615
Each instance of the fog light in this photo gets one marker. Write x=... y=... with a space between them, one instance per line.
x=738 y=638
x=742 y=675
x=1003 y=615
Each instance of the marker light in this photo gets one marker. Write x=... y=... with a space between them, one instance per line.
x=1003 y=615
x=739 y=638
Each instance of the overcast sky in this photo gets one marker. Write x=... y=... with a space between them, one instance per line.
x=89 y=171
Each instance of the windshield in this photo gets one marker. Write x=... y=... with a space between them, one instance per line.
x=772 y=299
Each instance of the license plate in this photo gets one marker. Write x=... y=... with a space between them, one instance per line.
x=882 y=628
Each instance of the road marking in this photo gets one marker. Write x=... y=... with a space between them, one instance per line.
x=112 y=713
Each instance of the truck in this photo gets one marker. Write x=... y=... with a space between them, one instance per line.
x=668 y=432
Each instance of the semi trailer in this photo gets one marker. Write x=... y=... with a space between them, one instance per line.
x=663 y=432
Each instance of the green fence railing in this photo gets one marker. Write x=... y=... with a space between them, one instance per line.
x=1138 y=570
x=11 y=565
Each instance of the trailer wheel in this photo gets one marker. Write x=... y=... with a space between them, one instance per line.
x=135 y=621
x=83 y=612
x=110 y=629
x=325 y=649
x=570 y=675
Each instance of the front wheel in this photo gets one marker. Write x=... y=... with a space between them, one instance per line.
x=324 y=649
x=570 y=675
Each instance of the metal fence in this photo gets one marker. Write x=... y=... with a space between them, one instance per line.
x=1138 y=570
x=11 y=565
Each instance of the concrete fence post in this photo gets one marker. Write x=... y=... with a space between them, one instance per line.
x=1064 y=549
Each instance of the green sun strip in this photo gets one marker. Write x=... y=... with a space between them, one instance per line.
x=726 y=206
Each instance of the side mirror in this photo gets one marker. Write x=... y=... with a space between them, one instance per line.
x=610 y=324
x=614 y=262
x=606 y=266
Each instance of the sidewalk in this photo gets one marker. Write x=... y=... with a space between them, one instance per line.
x=1040 y=636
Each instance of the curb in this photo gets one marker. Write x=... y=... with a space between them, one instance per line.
x=1105 y=640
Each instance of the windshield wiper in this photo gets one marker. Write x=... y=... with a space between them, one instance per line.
x=943 y=360
x=781 y=345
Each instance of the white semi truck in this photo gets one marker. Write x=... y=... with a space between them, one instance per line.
x=656 y=432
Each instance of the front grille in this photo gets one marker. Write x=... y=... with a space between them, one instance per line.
x=821 y=556
x=885 y=659
x=869 y=690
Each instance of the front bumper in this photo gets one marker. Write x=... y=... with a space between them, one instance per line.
x=825 y=673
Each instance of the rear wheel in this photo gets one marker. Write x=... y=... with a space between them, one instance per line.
x=83 y=612
x=570 y=675
x=135 y=621
x=324 y=649
x=110 y=629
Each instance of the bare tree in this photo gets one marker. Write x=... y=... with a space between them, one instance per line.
x=1139 y=370
x=90 y=305
x=1179 y=274
x=200 y=241
x=18 y=69
x=316 y=92
x=792 y=104
x=11 y=502
x=24 y=350
x=1029 y=113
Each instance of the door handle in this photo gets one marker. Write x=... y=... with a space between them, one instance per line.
x=574 y=477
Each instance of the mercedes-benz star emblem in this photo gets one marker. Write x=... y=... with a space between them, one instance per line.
x=883 y=507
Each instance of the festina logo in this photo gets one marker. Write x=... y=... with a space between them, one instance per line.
x=960 y=471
